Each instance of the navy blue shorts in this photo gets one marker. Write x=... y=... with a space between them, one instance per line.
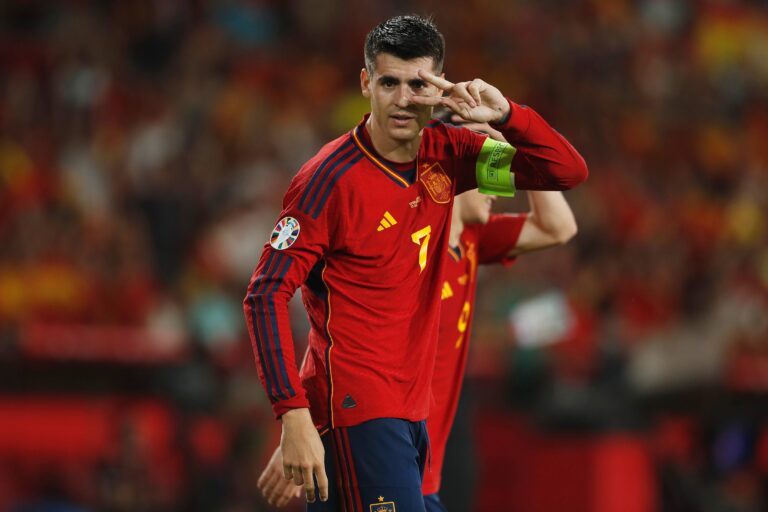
x=376 y=466
x=433 y=504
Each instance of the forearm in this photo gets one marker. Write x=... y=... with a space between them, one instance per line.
x=552 y=214
x=550 y=222
x=544 y=160
x=266 y=314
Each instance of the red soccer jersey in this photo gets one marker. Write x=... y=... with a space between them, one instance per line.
x=479 y=244
x=367 y=244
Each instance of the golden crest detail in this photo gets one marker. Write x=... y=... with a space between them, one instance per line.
x=387 y=506
x=437 y=182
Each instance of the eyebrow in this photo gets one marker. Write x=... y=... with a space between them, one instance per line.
x=412 y=82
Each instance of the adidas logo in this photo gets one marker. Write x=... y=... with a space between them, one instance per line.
x=447 y=291
x=386 y=222
x=348 y=402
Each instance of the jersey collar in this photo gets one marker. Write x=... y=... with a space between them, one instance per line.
x=403 y=179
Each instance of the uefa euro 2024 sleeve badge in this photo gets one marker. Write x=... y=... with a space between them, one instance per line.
x=285 y=233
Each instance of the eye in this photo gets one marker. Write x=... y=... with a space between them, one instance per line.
x=388 y=82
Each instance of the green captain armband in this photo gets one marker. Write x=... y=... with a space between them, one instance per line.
x=493 y=172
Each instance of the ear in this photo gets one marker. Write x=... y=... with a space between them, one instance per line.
x=365 y=83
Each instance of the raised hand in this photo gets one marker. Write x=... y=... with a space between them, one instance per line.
x=475 y=100
x=272 y=483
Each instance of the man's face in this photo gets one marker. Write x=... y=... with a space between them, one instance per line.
x=475 y=207
x=390 y=88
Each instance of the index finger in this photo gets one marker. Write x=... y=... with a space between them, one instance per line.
x=439 y=82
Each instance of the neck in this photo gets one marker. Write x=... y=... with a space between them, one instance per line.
x=457 y=225
x=394 y=150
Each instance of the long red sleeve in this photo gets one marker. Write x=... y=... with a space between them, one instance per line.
x=545 y=160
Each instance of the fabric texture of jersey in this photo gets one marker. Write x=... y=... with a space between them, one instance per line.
x=366 y=241
x=479 y=244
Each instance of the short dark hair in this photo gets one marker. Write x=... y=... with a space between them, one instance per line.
x=406 y=37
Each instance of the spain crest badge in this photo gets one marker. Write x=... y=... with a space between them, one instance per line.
x=436 y=181
x=386 y=506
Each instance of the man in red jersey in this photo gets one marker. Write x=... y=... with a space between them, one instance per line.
x=364 y=230
x=476 y=238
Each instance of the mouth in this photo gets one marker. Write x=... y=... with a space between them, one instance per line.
x=402 y=118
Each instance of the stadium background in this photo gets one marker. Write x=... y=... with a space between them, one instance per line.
x=144 y=150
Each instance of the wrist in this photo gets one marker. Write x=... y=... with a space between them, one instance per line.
x=504 y=114
x=294 y=416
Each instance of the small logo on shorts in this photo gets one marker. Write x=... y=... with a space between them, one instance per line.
x=285 y=233
x=383 y=506
x=348 y=402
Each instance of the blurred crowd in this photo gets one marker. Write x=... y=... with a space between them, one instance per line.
x=145 y=146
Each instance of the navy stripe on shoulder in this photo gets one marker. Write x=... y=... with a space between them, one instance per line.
x=332 y=181
x=323 y=179
x=313 y=181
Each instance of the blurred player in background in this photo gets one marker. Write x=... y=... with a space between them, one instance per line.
x=364 y=230
x=479 y=238
x=476 y=238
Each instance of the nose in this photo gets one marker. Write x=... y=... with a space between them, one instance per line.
x=403 y=96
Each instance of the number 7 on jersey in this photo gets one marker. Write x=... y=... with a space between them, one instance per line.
x=421 y=238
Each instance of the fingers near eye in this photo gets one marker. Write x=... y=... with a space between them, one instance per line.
x=427 y=100
x=461 y=91
x=435 y=80
x=452 y=104
x=474 y=89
